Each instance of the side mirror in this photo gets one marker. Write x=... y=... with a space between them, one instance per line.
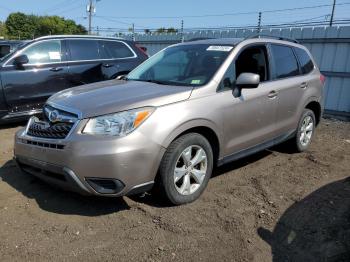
x=248 y=80
x=121 y=77
x=20 y=60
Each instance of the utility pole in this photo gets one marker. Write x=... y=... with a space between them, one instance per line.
x=90 y=9
x=332 y=15
x=182 y=32
x=133 y=32
x=259 y=23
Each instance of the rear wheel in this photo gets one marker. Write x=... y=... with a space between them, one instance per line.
x=186 y=168
x=305 y=131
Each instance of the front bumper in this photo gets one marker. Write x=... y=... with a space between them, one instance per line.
x=132 y=161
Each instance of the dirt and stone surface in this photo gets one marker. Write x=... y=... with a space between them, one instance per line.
x=273 y=206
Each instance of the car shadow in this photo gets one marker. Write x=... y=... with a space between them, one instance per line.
x=157 y=200
x=234 y=165
x=316 y=228
x=12 y=125
x=56 y=200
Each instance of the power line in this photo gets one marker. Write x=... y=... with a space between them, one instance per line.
x=229 y=14
x=58 y=6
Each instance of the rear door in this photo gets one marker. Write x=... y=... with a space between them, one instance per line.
x=290 y=85
x=27 y=88
x=118 y=58
x=84 y=61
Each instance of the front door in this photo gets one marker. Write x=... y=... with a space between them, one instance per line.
x=27 y=87
x=249 y=119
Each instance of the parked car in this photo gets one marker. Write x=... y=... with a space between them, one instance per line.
x=50 y=64
x=8 y=46
x=186 y=109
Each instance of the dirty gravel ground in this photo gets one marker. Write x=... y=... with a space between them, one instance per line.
x=273 y=206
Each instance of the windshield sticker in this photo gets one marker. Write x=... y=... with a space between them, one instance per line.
x=221 y=48
x=195 y=82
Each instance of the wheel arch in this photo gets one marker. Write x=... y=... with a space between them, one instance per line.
x=202 y=127
x=315 y=107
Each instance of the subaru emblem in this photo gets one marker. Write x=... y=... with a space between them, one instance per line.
x=54 y=116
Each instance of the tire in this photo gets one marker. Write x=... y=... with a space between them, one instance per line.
x=191 y=178
x=299 y=144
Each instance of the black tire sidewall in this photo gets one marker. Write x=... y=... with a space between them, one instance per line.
x=168 y=165
x=299 y=146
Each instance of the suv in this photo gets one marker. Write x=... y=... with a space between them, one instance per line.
x=50 y=64
x=188 y=108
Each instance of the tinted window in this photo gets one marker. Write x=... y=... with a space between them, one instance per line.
x=113 y=49
x=83 y=50
x=305 y=61
x=253 y=60
x=44 y=52
x=285 y=63
x=4 y=50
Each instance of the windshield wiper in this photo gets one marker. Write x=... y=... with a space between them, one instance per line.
x=156 y=81
x=160 y=82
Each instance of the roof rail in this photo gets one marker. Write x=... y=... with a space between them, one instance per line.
x=199 y=39
x=273 y=37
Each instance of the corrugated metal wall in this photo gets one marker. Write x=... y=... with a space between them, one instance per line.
x=330 y=47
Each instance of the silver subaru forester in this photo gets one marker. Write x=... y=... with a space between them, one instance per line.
x=169 y=122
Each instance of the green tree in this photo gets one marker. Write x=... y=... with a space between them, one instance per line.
x=3 y=31
x=19 y=25
x=164 y=30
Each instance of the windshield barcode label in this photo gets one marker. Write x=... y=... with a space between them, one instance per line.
x=221 y=48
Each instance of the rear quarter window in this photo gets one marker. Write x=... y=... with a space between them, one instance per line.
x=114 y=49
x=285 y=62
x=305 y=61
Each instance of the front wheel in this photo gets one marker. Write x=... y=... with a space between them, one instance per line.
x=186 y=168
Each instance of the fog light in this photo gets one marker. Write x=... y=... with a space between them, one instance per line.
x=105 y=185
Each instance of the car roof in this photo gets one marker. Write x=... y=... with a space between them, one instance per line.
x=79 y=36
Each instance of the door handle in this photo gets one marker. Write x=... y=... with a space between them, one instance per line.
x=107 y=65
x=303 y=85
x=272 y=94
x=56 y=69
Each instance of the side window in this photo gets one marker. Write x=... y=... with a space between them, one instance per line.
x=253 y=60
x=4 y=50
x=44 y=52
x=305 y=61
x=114 y=49
x=83 y=49
x=285 y=62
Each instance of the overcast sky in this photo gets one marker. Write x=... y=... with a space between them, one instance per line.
x=164 y=13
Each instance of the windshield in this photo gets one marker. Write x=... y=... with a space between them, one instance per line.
x=187 y=65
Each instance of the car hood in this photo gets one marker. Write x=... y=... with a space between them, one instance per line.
x=117 y=95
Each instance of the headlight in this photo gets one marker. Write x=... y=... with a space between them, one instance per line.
x=119 y=124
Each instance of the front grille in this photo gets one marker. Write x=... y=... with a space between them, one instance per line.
x=56 y=125
x=55 y=131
